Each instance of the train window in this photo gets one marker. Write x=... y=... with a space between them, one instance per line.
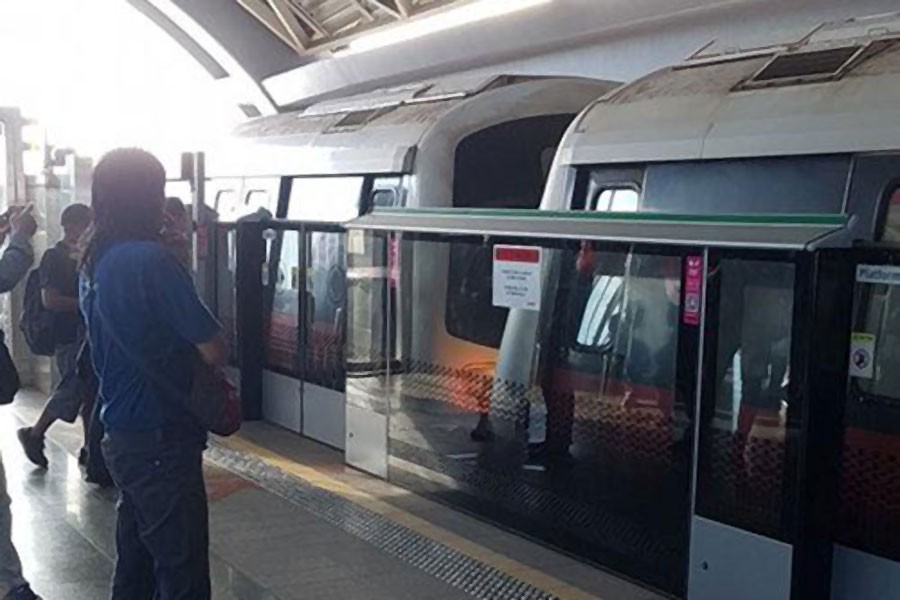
x=891 y=232
x=225 y=204
x=779 y=185
x=621 y=199
x=388 y=192
x=325 y=199
x=504 y=166
x=255 y=200
x=743 y=462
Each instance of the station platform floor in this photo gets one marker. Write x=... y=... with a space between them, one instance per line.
x=288 y=520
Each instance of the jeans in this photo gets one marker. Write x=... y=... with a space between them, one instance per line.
x=162 y=528
x=10 y=567
x=69 y=395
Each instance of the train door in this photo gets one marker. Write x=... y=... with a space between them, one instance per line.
x=867 y=523
x=767 y=435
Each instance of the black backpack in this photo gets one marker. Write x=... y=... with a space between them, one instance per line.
x=37 y=322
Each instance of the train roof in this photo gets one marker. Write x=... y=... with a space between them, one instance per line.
x=836 y=90
x=379 y=132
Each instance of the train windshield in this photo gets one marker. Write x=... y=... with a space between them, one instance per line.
x=325 y=199
x=779 y=185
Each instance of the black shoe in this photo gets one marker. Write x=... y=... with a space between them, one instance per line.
x=22 y=593
x=33 y=447
x=82 y=457
x=102 y=479
x=542 y=451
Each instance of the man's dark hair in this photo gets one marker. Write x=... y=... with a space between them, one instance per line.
x=76 y=214
x=127 y=196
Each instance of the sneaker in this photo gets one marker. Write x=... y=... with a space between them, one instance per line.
x=33 y=447
x=22 y=593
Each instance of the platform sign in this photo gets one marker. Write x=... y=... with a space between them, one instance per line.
x=862 y=355
x=693 y=289
x=517 y=277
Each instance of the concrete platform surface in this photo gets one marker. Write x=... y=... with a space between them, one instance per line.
x=288 y=521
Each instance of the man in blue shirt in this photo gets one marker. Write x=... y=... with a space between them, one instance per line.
x=145 y=324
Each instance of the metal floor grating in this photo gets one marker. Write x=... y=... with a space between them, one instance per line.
x=441 y=562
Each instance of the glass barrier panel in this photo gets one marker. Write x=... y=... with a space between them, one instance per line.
x=325 y=299
x=281 y=322
x=367 y=349
x=572 y=429
x=226 y=298
x=869 y=507
x=743 y=465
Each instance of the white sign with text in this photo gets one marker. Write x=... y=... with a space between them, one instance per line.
x=517 y=277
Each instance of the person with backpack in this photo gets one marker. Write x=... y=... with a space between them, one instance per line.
x=19 y=226
x=148 y=330
x=51 y=320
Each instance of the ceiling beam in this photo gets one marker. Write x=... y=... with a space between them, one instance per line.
x=405 y=7
x=304 y=15
x=363 y=10
x=282 y=10
x=264 y=14
x=388 y=7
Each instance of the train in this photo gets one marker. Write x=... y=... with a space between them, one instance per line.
x=428 y=144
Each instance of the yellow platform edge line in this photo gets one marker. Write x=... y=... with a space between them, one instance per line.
x=505 y=564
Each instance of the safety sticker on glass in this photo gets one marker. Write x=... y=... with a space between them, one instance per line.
x=693 y=289
x=862 y=355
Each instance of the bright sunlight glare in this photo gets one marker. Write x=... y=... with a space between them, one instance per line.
x=97 y=74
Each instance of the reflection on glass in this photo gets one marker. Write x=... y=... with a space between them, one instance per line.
x=325 y=199
x=368 y=321
x=742 y=442
x=892 y=220
x=869 y=510
x=588 y=449
x=282 y=323
x=325 y=298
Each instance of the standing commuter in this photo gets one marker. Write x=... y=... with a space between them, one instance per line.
x=59 y=293
x=146 y=324
x=177 y=227
x=20 y=227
